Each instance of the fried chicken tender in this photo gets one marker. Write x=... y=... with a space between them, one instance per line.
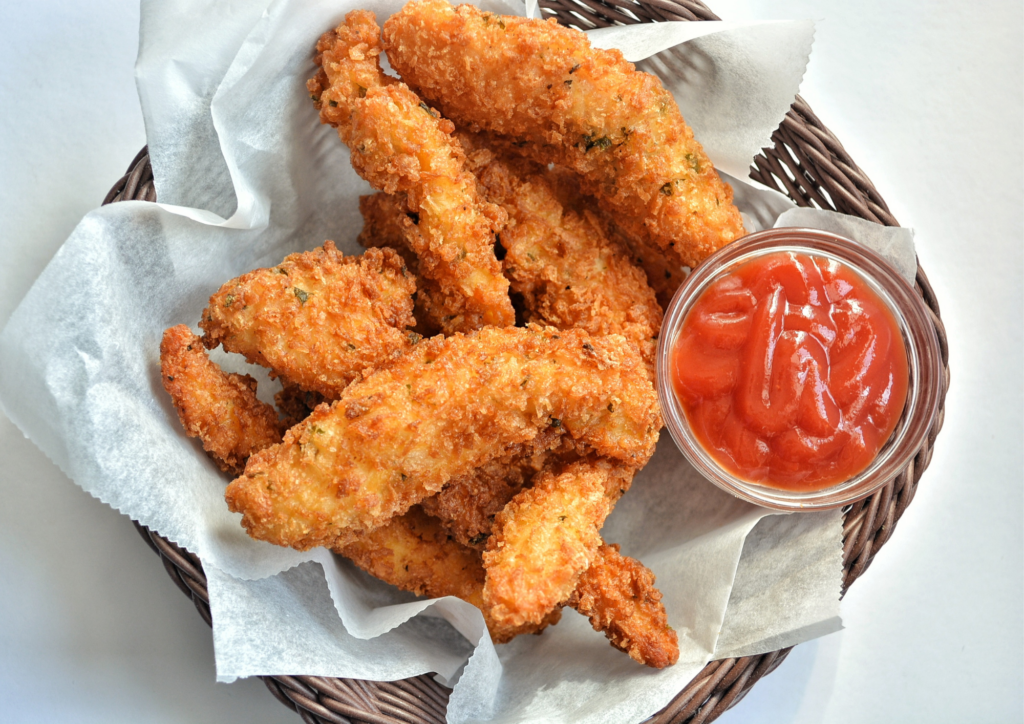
x=414 y=553
x=438 y=413
x=467 y=506
x=664 y=271
x=220 y=409
x=546 y=537
x=617 y=594
x=569 y=272
x=559 y=100
x=399 y=144
x=318 y=319
x=387 y=223
x=295 y=403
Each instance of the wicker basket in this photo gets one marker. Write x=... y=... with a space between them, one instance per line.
x=808 y=164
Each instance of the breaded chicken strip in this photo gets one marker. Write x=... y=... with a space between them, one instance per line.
x=467 y=506
x=559 y=100
x=220 y=409
x=414 y=553
x=546 y=537
x=387 y=223
x=318 y=319
x=295 y=403
x=438 y=413
x=617 y=594
x=568 y=271
x=664 y=272
x=399 y=144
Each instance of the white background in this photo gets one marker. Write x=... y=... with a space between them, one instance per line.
x=926 y=97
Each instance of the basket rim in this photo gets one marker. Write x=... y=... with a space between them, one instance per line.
x=809 y=165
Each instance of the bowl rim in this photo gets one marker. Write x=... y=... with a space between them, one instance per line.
x=912 y=317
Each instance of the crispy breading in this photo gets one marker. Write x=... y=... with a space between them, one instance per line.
x=664 y=272
x=557 y=99
x=414 y=553
x=569 y=275
x=569 y=272
x=438 y=413
x=318 y=318
x=617 y=594
x=295 y=403
x=387 y=222
x=546 y=537
x=220 y=409
x=467 y=506
x=399 y=144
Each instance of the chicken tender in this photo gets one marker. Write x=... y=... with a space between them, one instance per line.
x=438 y=413
x=220 y=409
x=318 y=319
x=400 y=144
x=546 y=537
x=387 y=223
x=467 y=506
x=567 y=269
x=295 y=403
x=414 y=553
x=617 y=594
x=664 y=272
x=557 y=99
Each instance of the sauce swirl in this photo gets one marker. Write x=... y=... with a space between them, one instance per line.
x=791 y=371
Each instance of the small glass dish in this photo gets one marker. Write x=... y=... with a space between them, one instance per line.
x=908 y=309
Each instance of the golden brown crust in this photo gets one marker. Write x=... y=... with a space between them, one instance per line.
x=295 y=403
x=567 y=269
x=438 y=413
x=399 y=144
x=617 y=594
x=574 y=105
x=220 y=409
x=467 y=506
x=664 y=272
x=318 y=318
x=387 y=222
x=414 y=553
x=546 y=537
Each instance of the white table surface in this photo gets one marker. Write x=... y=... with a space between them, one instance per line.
x=927 y=98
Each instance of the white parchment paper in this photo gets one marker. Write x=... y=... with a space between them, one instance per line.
x=245 y=175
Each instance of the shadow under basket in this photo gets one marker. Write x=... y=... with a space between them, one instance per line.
x=808 y=164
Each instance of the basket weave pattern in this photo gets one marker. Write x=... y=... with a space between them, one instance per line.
x=808 y=164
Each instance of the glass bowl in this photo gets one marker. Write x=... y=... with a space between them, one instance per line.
x=908 y=309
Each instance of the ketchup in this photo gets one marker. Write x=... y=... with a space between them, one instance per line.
x=791 y=371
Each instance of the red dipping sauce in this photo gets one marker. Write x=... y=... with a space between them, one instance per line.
x=791 y=371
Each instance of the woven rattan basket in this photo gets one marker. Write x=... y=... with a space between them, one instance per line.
x=808 y=164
